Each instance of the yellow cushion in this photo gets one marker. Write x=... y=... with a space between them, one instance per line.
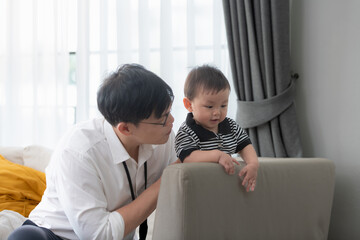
x=21 y=187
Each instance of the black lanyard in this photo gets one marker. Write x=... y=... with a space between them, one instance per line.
x=143 y=227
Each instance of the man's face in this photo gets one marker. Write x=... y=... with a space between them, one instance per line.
x=154 y=130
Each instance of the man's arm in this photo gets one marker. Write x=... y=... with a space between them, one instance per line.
x=138 y=210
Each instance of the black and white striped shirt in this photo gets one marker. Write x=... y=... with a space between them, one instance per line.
x=231 y=138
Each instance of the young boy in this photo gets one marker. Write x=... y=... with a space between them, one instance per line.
x=208 y=135
x=104 y=176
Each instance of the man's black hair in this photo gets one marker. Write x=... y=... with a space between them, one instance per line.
x=132 y=94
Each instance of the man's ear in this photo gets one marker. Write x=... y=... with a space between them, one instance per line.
x=123 y=128
x=187 y=104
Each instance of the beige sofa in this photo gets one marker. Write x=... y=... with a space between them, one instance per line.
x=292 y=200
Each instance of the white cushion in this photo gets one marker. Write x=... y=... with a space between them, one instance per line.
x=13 y=154
x=9 y=221
x=37 y=157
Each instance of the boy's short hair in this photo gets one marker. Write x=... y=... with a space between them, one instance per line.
x=132 y=94
x=206 y=78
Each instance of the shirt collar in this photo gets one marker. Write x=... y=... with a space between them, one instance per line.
x=118 y=151
x=204 y=134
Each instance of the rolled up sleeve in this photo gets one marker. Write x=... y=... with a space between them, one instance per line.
x=118 y=225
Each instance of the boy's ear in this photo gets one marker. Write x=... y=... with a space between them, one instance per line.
x=123 y=128
x=187 y=104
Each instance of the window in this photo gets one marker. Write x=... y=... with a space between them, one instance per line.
x=54 y=62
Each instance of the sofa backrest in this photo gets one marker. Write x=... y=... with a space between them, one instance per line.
x=13 y=154
x=34 y=156
x=292 y=200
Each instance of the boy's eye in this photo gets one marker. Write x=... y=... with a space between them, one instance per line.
x=208 y=106
x=223 y=106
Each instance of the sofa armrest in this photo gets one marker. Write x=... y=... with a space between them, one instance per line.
x=292 y=200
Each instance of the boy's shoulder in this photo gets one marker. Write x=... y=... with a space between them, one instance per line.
x=184 y=127
x=231 y=121
x=230 y=125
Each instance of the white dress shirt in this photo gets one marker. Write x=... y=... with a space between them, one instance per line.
x=87 y=182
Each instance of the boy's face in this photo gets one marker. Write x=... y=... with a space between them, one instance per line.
x=209 y=108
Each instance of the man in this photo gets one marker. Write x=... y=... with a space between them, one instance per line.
x=104 y=176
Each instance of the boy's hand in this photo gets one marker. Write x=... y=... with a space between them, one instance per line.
x=228 y=163
x=176 y=162
x=249 y=175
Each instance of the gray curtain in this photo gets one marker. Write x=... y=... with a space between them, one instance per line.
x=259 y=50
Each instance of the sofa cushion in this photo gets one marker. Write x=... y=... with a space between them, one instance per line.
x=13 y=154
x=21 y=187
x=9 y=221
x=37 y=157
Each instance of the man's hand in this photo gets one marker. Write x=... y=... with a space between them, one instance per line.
x=228 y=163
x=249 y=175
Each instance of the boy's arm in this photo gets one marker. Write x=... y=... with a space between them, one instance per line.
x=249 y=155
x=215 y=156
x=249 y=172
x=188 y=151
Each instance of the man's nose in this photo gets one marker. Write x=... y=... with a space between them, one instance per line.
x=170 y=119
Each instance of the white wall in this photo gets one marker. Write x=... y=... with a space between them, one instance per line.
x=325 y=38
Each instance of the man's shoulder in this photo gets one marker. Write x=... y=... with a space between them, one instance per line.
x=84 y=136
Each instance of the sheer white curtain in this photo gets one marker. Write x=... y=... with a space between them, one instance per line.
x=33 y=71
x=54 y=54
